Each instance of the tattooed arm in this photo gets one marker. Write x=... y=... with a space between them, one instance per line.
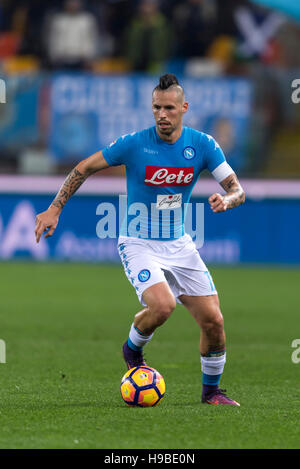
x=234 y=196
x=69 y=187
x=48 y=220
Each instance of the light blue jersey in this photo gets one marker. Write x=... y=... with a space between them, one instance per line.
x=161 y=177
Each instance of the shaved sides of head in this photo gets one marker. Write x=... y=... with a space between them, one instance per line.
x=169 y=82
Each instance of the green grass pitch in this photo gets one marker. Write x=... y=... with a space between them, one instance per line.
x=64 y=325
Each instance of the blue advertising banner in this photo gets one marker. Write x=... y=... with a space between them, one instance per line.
x=89 y=112
x=257 y=232
x=19 y=117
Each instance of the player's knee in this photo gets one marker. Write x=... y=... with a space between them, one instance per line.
x=214 y=326
x=163 y=309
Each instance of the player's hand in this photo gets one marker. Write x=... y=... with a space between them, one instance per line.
x=218 y=203
x=46 y=221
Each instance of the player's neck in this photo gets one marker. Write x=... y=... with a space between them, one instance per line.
x=173 y=137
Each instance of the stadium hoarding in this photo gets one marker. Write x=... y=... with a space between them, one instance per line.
x=77 y=114
x=88 y=112
x=20 y=119
x=258 y=232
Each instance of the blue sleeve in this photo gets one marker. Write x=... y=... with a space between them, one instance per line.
x=119 y=151
x=213 y=154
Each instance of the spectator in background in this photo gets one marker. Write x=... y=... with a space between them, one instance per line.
x=118 y=15
x=148 y=38
x=194 y=23
x=34 y=12
x=72 y=37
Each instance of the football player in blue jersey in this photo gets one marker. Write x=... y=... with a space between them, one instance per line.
x=162 y=263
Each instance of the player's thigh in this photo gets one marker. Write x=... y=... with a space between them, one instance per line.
x=159 y=298
x=205 y=309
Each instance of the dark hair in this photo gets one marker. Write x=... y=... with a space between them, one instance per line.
x=166 y=81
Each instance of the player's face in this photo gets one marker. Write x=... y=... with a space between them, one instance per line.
x=168 y=109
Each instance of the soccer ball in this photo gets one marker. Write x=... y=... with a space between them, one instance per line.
x=142 y=386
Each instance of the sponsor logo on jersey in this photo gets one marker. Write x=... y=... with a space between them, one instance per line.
x=189 y=153
x=170 y=176
x=144 y=275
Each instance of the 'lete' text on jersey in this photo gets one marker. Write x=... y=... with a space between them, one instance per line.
x=161 y=176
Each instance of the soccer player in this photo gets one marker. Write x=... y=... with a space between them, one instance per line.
x=162 y=263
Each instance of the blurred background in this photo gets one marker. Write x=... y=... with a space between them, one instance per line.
x=79 y=74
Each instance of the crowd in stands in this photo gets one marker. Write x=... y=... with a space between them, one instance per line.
x=141 y=35
x=191 y=37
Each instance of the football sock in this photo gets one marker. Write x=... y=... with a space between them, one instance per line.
x=212 y=366
x=137 y=339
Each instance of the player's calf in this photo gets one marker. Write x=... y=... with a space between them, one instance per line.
x=212 y=334
x=141 y=332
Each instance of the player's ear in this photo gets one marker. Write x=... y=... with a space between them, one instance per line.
x=185 y=107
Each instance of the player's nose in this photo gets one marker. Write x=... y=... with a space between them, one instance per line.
x=162 y=114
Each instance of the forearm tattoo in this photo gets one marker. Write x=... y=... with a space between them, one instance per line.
x=235 y=195
x=69 y=187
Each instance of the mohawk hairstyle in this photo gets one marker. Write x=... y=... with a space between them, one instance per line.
x=166 y=81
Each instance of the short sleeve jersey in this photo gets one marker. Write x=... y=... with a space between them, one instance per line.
x=160 y=178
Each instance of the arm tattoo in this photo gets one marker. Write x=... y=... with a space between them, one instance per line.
x=235 y=195
x=69 y=187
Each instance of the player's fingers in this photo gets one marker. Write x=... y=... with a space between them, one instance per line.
x=40 y=228
x=217 y=209
x=36 y=231
x=37 y=237
x=220 y=207
x=50 y=232
x=213 y=198
x=215 y=204
x=216 y=201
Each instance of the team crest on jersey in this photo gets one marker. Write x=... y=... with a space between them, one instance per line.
x=189 y=153
x=144 y=275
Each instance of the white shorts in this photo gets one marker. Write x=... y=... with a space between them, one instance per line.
x=178 y=262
